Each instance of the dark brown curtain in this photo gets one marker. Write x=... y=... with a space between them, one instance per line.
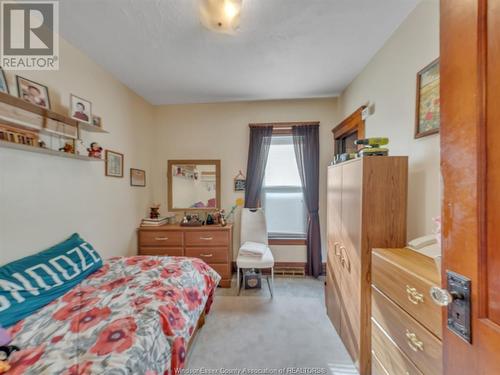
x=258 y=150
x=306 y=145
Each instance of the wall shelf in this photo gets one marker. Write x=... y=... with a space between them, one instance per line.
x=46 y=113
x=17 y=113
x=46 y=151
x=91 y=128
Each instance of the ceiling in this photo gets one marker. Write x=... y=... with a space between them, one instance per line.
x=283 y=48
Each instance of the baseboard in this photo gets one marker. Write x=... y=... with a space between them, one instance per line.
x=302 y=265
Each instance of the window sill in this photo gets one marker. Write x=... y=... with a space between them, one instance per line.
x=287 y=241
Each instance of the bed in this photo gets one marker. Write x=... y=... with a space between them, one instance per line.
x=134 y=315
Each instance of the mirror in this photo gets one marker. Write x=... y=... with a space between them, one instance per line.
x=193 y=185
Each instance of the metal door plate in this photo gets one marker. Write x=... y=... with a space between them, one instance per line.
x=459 y=310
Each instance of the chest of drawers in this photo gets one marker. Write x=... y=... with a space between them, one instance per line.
x=406 y=324
x=211 y=243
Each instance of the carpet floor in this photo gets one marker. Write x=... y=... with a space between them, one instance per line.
x=252 y=331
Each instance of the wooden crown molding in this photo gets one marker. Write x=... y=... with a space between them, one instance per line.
x=354 y=122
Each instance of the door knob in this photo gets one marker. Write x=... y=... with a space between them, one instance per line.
x=442 y=297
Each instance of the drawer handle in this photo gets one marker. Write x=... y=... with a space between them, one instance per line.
x=414 y=296
x=344 y=260
x=206 y=238
x=207 y=255
x=336 y=248
x=413 y=342
x=161 y=238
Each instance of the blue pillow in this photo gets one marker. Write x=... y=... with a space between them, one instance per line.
x=30 y=283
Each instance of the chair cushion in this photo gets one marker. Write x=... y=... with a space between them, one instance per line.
x=266 y=261
x=253 y=248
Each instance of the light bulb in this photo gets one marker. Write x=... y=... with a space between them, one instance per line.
x=230 y=9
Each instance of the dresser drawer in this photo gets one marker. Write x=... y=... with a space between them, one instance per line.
x=417 y=342
x=209 y=254
x=160 y=238
x=207 y=238
x=162 y=251
x=408 y=290
x=377 y=367
x=222 y=269
x=393 y=360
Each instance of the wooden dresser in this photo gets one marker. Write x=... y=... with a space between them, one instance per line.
x=212 y=243
x=366 y=209
x=406 y=324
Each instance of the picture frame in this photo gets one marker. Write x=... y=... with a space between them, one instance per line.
x=4 y=86
x=114 y=164
x=427 y=110
x=137 y=177
x=96 y=121
x=80 y=109
x=240 y=182
x=33 y=92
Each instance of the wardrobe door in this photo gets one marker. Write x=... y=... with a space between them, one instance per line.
x=350 y=255
x=333 y=267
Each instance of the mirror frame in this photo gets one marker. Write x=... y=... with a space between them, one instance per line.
x=196 y=162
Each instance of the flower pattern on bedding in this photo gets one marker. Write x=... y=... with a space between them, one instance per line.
x=133 y=316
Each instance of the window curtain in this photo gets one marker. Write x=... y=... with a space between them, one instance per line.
x=258 y=151
x=306 y=146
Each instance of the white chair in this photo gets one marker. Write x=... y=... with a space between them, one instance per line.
x=254 y=229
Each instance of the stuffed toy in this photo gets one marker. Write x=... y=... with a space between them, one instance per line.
x=4 y=367
x=68 y=147
x=95 y=150
x=5 y=350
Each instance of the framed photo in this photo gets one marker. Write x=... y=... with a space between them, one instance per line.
x=33 y=92
x=96 y=121
x=428 y=117
x=114 y=164
x=240 y=182
x=4 y=87
x=80 y=109
x=137 y=177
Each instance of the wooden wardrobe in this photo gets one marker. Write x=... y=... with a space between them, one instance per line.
x=367 y=200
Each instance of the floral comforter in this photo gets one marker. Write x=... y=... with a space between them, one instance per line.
x=133 y=316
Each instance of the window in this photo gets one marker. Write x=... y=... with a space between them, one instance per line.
x=282 y=197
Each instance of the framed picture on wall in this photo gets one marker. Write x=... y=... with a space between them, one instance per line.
x=80 y=109
x=240 y=182
x=4 y=87
x=428 y=117
x=33 y=92
x=137 y=177
x=114 y=164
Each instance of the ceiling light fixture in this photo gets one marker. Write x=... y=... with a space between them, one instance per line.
x=222 y=16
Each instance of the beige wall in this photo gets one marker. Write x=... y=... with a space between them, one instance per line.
x=388 y=83
x=44 y=199
x=220 y=131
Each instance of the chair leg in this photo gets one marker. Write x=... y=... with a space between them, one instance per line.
x=272 y=281
x=238 y=279
x=271 y=285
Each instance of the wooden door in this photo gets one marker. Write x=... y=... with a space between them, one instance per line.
x=350 y=252
x=470 y=154
x=332 y=290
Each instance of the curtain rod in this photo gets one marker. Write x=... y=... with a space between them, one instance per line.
x=286 y=125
